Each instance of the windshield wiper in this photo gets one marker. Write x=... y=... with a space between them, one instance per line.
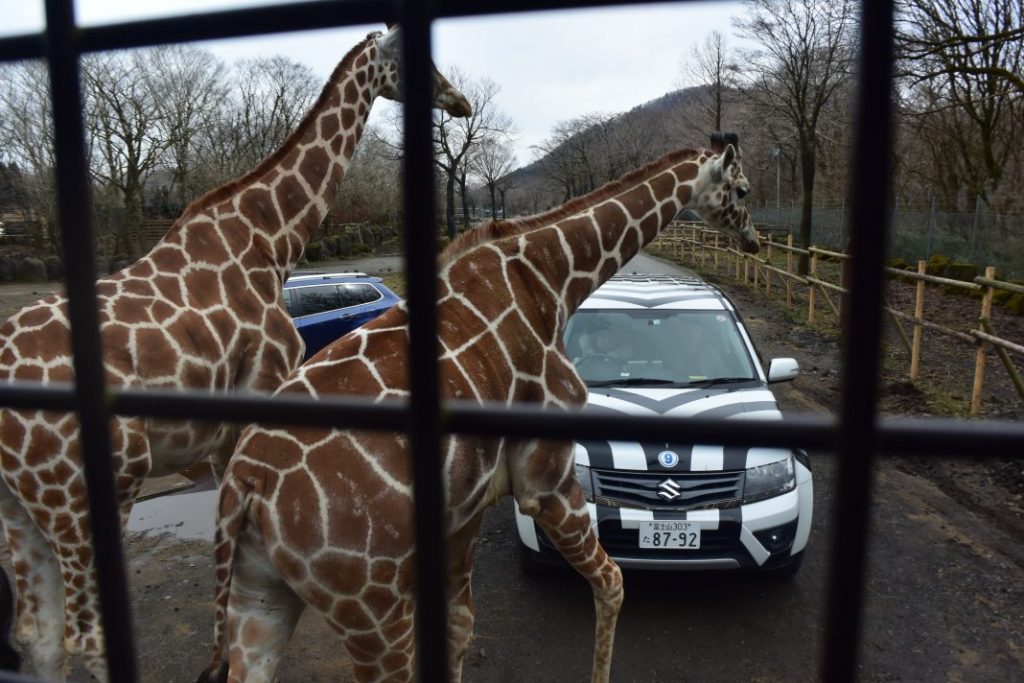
x=632 y=382
x=716 y=381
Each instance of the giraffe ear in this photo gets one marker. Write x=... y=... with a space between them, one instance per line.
x=728 y=156
x=720 y=165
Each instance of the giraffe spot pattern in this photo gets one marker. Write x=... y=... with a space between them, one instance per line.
x=202 y=310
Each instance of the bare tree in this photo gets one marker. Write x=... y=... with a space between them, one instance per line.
x=455 y=138
x=982 y=39
x=712 y=66
x=494 y=159
x=127 y=137
x=26 y=141
x=962 y=62
x=805 y=58
x=272 y=95
x=372 y=190
x=192 y=87
x=575 y=157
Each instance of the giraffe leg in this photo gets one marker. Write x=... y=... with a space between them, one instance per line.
x=221 y=456
x=83 y=634
x=387 y=652
x=40 y=602
x=262 y=613
x=10 y=660
x=546 y=488
x=460 y=603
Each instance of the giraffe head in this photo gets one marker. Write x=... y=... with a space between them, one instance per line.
x=446 y=97
x=720 y=200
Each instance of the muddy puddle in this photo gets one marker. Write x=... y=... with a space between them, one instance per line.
x=186 y=513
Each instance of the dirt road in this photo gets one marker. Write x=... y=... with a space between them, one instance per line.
x=944 y=599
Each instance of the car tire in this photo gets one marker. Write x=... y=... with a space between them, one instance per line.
x=530 y=563
x=787 y=570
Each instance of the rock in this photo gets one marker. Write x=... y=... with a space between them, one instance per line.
x=30 y=269
x=7 y=267
x=54 y=267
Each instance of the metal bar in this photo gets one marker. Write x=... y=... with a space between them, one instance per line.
x=859 y=437
x=424 y=423
x=981 y=440
x=74 y=211
x=310 y=15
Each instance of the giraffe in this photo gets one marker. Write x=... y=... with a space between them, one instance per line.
x=202 y=310
x=323 y=517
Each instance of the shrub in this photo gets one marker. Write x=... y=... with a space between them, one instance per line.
x=314 y=251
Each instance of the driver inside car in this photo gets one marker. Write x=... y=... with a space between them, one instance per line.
x=606 y=342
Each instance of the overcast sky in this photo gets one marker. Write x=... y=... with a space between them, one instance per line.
x=550 y=66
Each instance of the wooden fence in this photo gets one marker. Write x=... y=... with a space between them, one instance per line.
x=775 y=267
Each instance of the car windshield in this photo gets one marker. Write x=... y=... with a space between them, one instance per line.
x=656 y=348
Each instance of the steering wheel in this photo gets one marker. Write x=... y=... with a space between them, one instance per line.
x=599 y=366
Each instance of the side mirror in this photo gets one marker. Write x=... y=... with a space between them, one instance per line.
x=782 y=370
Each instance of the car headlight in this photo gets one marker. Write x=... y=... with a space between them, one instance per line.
x=769 y=480
x=583 y=475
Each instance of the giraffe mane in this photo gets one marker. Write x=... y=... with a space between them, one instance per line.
x=223 y=192
x=493 y=230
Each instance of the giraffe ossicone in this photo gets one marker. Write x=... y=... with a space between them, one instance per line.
x=323 y=518
x=202 y=310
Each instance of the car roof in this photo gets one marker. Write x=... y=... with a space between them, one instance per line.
x=318 y=278
x=656 y=291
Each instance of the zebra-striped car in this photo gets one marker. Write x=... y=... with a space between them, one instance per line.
x=656 y=344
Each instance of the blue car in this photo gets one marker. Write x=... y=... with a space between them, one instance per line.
x=325 y=306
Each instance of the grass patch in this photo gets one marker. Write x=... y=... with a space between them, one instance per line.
x=396 y=283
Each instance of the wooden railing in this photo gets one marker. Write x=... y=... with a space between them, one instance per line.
x=708 y=251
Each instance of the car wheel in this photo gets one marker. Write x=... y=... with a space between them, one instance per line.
x=787 y=570
x=530 y=563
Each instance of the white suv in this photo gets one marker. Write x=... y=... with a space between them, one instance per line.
x=656 y=344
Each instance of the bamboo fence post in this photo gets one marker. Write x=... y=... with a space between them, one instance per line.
x=716 y=253
x=810 y=288
x=703 y=252
x=979 y=363
x=1011 y=369
x=915 y=349
x=789 y=271
x=768 y=273
x=746 y=267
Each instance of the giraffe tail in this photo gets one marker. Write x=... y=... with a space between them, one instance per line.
x=9 y=659
x=233 y=508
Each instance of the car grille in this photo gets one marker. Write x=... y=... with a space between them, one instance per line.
x=692 y=489
x=623 y=543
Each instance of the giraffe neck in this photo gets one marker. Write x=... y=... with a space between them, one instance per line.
x=565 y=254
x=274 y=210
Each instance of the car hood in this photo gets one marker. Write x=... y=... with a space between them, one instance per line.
x=728 y=403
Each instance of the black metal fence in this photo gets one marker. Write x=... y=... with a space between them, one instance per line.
x=856 y=436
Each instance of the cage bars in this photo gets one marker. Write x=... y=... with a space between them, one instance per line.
x=857 y=436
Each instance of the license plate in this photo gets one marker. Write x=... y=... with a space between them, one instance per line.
x=670 y=535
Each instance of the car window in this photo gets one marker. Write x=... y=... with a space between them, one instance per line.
x=313 y=299
x=670 y=346
x=356 y=294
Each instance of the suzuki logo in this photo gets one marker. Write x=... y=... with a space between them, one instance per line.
x=669 y=490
